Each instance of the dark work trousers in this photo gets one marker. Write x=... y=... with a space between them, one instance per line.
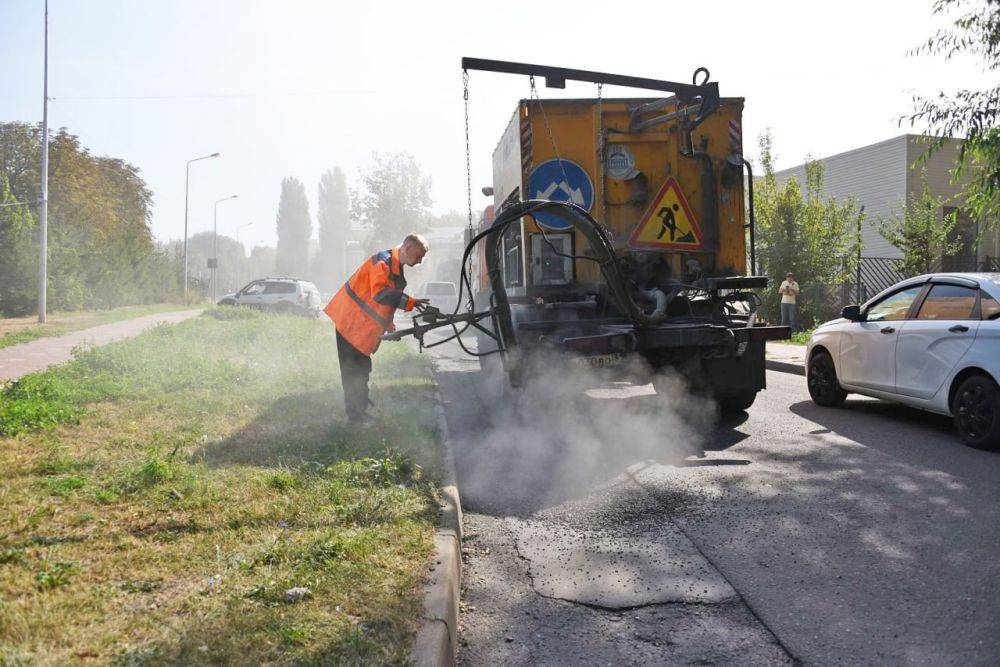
x=355 y=367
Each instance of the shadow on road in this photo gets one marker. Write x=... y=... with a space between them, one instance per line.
x=887 y=426
x=880 y=522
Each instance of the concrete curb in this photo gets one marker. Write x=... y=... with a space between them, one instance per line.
x=436 y=643
x=785 y=367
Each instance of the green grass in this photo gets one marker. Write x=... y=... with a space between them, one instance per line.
x=159 y=495
x=14 y=331
x=801 y=337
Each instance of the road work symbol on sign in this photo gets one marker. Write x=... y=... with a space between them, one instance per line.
x=669 y=223
x=560 y=180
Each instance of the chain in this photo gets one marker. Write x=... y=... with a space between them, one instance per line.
x=468 y=183
x=468 y=150
x=600 y=153
x=548 y=130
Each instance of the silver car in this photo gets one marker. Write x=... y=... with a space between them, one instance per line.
x=280 y=295
x=442 y=295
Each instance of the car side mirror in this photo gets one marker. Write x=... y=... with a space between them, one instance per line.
x=852 y=313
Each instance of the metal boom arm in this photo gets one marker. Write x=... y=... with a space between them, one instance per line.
x=556 y=77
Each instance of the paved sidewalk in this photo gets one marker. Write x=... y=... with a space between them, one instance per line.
x=785 y=357
x=37 y=355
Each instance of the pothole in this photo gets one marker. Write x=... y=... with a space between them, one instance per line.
x=610 y=571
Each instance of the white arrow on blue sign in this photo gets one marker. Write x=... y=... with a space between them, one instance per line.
x=565 y=182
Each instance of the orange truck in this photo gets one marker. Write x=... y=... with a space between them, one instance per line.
x=620 y=229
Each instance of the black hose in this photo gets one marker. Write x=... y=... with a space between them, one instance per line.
x=580 y=220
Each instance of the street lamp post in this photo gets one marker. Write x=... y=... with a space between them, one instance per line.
x=43 y=213
x=215 y=246
x=187 y=180
x=241 y=253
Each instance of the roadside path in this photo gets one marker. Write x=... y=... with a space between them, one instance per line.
x=785 y=357
x=19 y=360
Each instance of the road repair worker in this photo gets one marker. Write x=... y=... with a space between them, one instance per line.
x=362 y=311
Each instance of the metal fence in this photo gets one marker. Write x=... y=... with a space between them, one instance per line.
x=876 y=274
x=822 y=302
x=879 y=273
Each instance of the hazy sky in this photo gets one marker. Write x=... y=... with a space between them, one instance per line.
x=292 y=87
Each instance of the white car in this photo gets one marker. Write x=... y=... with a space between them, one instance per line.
x=442 y=295
x=931 y=342
x=282 y=295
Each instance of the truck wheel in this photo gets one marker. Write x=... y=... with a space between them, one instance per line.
x=976 y=408
x=736 y=402
x=824 y=388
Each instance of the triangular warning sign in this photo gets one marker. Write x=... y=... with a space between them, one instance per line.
x=669 y=223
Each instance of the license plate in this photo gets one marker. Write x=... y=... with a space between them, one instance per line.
x=600 y=360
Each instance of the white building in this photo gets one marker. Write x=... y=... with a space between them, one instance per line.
x=885 y=175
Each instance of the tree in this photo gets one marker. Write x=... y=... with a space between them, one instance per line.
x=233 y=263
x=972 y=114
x=263 y=262
x=18 y=254
x=394 y=199
x=452 y=219
x=294 y=228
x=920 y=232
x=101 y=249
x=333 y=216
x=799 y=231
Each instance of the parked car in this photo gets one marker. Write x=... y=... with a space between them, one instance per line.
x=281 y=295
x=442 y=295
x=930 y=342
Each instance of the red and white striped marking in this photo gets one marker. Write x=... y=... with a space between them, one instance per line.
x=735 y=137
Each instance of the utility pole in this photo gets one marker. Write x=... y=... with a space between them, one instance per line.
x=187 y=181
x=43 y=215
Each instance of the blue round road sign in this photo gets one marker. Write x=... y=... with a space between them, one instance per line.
x=566 y=182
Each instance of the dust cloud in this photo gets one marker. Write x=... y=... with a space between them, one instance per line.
x=572 y=426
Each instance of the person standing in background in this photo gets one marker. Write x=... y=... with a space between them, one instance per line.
x=789 y=290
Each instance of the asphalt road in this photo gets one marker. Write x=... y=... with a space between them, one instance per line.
x=623 y=527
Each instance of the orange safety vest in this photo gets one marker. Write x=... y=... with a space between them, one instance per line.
x=362 y=309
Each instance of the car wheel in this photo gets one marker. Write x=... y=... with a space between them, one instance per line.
x=976 y=408
x=736 y=402
x=823 y=386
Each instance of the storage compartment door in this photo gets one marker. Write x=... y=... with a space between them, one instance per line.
x=547 y=267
